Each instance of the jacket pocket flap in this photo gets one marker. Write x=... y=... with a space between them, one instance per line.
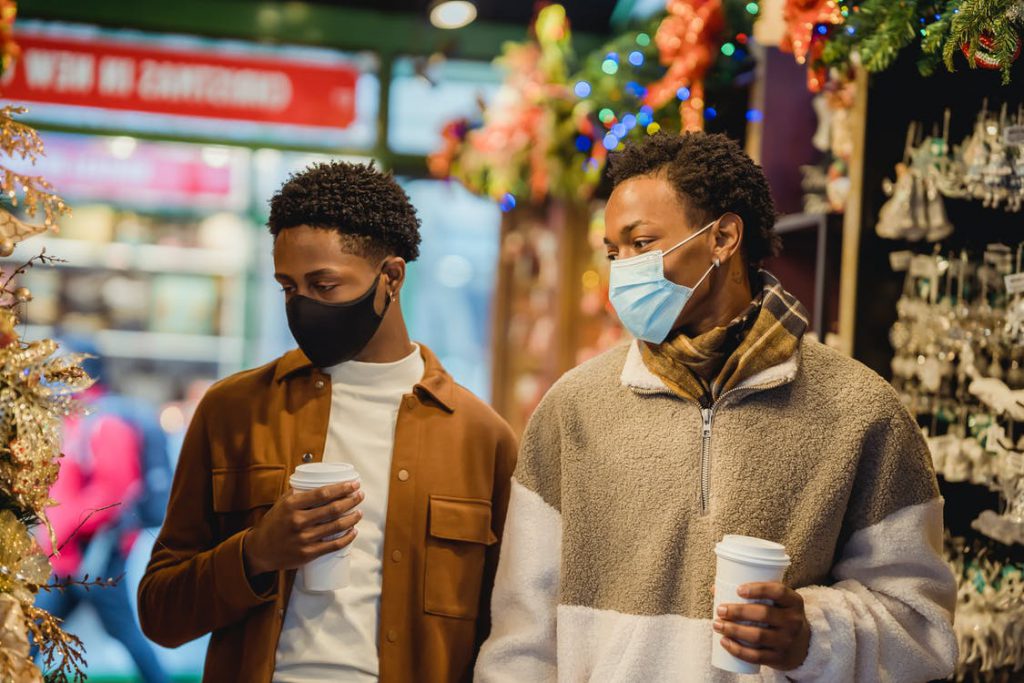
x=461 y=519
x=246 y=488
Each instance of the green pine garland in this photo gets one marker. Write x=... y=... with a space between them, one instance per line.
x=877 y=30
x=936 y=36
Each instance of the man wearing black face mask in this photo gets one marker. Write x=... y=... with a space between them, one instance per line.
x=434 y=465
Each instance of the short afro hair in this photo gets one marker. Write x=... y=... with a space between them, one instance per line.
x=712 y=176
x=366 y=206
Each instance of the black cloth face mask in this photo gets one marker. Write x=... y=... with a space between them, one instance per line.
x=330 y=334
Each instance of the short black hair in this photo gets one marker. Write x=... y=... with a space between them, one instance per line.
x=713 y=176
x=365 y=205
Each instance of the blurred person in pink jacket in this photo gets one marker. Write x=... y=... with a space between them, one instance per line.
x=100 y=483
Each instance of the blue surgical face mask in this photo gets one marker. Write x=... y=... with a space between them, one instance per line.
x=647 y=302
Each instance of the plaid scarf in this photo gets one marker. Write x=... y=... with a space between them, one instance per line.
x=704 y=367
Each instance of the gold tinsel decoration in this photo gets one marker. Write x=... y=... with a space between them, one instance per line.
x=36 y=393
x=18 y=140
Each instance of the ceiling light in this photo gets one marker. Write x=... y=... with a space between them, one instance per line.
x=452 y=14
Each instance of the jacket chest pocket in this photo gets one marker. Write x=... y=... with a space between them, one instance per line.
x=459 y=533
x=242 y=496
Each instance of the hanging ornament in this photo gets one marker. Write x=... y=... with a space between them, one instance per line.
x=686 y=41
x=985 y=56
x=803 y=21
x=808 y=26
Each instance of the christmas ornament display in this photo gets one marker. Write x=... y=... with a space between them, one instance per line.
x=987 y=166
x=989 y=619
x=959 y=369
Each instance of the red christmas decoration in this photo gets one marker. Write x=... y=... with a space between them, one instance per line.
x=808 y=25
x=985 y=55
x=687 y=44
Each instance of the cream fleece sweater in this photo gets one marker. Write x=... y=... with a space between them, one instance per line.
x=607 y=562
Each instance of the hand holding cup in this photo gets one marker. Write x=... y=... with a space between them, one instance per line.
x=774 y=633
x=296 y=529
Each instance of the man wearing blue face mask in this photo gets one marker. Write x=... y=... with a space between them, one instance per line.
x=723 y=417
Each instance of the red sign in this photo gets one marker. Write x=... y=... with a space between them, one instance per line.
x=173 y=80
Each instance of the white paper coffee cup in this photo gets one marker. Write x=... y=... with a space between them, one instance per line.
x=742 y=560
x=327 y=572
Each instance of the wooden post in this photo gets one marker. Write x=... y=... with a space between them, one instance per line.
x=852 y=220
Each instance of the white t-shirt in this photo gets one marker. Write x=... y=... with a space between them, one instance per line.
x=333 y=636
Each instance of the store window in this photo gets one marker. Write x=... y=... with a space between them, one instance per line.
x=157 y=254
x=426 y=96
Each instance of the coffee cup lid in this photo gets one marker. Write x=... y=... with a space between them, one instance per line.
x=323 y=473
x=752 y=550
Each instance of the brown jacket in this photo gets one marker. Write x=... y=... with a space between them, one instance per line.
x=452 y=461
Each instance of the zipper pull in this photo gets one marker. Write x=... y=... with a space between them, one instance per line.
x=705 y=414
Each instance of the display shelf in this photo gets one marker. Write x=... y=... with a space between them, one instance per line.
x=155 y=345
x=150 y=258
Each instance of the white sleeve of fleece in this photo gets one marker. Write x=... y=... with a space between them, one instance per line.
x=522 y=645
x=889 y=617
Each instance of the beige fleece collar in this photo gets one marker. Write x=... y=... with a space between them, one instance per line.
x=638 y=377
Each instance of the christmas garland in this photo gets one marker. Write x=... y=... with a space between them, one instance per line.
x=827 y=34
x=549 y=129
x=37 y=391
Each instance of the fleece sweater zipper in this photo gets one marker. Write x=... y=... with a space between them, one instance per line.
x=707 y=414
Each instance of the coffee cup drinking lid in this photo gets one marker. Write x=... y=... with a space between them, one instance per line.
x=752 y=550
x=322 y=473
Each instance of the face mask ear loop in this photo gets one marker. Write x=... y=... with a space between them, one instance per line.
x=714 y=264
x=691 y=237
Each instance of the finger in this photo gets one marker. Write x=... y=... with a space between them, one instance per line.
x=765 y=638
x=304 y=500
x=327 y=547
x=762 y=614
x=750 y=654
x=320 y=532
x=779 y=593
x=331 y=511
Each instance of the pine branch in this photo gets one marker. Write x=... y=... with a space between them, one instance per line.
x=936 y=35
x=896 y=30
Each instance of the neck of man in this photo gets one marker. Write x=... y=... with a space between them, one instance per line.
x=730 y=295
x=391 y=343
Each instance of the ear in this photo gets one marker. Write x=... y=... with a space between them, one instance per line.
x=728 y=235
x=395 y=272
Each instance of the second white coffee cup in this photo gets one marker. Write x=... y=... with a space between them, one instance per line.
x=742 y=560
x=328 y=572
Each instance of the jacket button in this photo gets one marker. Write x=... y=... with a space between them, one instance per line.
x=319 y=384
x=392 y=636
x=396 y=556
x=403 y=475
x=307 y=457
